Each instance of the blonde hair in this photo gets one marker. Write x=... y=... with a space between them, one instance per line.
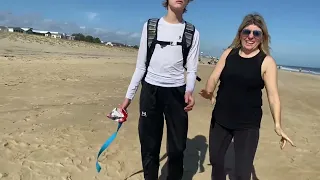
x=257 y=20
x=165 y=4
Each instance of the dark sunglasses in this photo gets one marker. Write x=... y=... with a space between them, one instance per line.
x=255 y=33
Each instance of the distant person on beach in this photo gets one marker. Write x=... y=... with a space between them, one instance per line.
x=164 y=90
x=243 y=70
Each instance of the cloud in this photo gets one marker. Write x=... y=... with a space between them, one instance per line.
x=35 y=21
x=135 y=35
x=122 y=32
x=91 y=15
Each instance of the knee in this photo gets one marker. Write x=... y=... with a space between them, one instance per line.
x=216 y=161
x=176 y=148
x=176 y=154
x=149 y=157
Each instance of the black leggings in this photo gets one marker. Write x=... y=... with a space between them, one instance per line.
x=155 y=103
x=245 y=146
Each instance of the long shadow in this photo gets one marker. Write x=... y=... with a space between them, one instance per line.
x=194 y=158
x=195 y=154
x=230 y=164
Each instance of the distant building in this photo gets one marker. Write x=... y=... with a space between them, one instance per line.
x=3 y=29
x=56 y=35
x=109 y=44
x=27 y=30
x=48 y=33
x=118 y=44
x=15 y=29
x=69 y=37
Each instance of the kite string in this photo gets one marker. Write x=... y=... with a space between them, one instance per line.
x=106 y=145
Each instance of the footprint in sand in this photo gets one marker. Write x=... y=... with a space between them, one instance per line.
x=302 y=150
x=13 y=144
x=27 y=119
x=67 y=178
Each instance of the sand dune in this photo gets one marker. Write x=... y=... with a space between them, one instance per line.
x=55 y=95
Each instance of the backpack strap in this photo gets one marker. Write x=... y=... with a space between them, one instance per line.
x=187 y=40
x=152 y=27
x=187 y=43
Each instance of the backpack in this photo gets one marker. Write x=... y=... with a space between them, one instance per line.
x=186 y=42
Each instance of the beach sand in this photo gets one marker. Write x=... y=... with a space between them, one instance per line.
x=55 y=95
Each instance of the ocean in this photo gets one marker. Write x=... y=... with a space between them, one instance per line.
x=308 y=70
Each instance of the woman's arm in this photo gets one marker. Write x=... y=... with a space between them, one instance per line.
x=270 y=77
x=216 y=72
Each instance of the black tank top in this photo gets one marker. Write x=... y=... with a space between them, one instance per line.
x=239 y=97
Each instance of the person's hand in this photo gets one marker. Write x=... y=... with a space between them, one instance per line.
x=189 y=100
x=284 y=138
x=125 y=104
x=207 y=95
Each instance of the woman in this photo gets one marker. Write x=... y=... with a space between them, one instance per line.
x=243 y=70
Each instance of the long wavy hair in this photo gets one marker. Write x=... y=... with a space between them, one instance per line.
x=258 y=20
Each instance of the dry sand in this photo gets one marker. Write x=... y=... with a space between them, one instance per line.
x=55 y=96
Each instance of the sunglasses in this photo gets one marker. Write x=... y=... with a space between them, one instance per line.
x=256 y=33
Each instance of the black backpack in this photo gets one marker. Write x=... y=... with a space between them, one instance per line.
x=186 y=42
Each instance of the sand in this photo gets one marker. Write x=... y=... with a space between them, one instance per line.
x=55 y=95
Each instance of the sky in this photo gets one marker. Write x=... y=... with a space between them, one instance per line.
x=294 y=25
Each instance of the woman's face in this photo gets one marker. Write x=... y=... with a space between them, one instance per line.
x=251 y=37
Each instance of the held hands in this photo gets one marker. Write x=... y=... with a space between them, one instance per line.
x=284 y=138
x=207 y=95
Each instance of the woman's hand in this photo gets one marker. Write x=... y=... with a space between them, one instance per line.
x=284 y=138
x=207 y=95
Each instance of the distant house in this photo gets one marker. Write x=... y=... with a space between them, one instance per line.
x=115 y=44
x=3 y=29
x=27 y=30
x=69 y=37
x=15 y=29
x=56 y=35
x=119 y=44
x=109 y=44
x=48 y=33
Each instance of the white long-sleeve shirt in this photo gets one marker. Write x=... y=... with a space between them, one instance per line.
x=166 y=65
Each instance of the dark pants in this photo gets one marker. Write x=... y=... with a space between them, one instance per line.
x=245 y=146
x=155 y=103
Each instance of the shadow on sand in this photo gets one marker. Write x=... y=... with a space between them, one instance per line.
x=194 y=158
x=195 y=154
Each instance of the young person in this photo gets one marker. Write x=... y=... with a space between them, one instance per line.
x=164 y=93
x=243 y=70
